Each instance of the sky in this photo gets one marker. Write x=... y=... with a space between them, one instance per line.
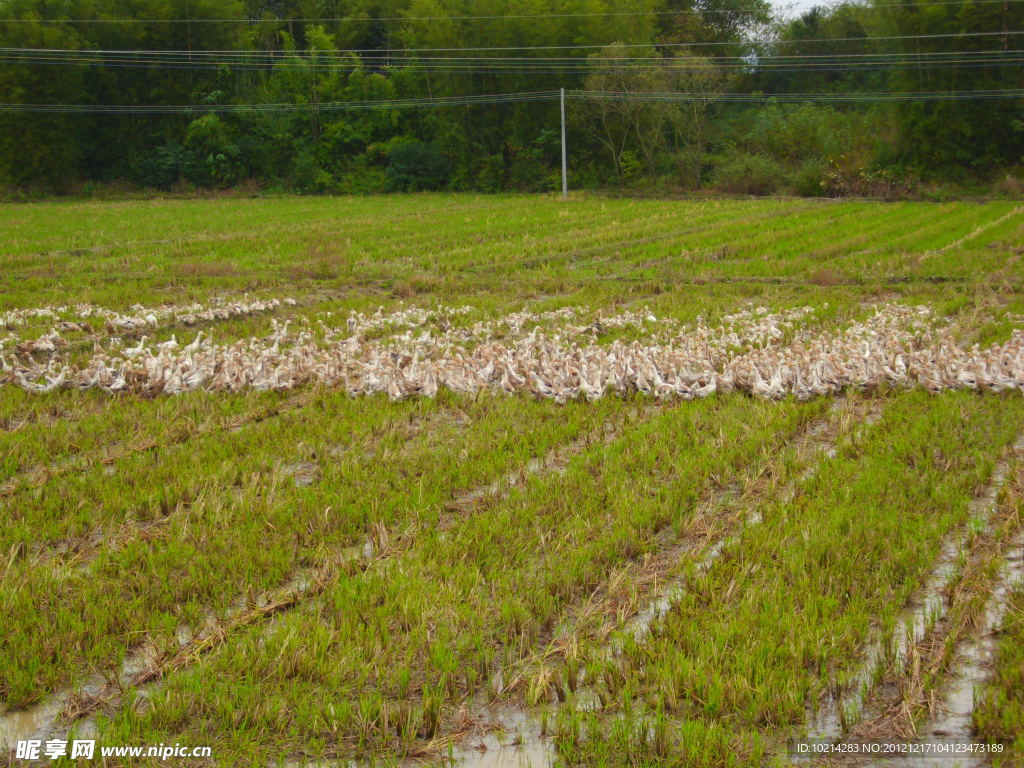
x=791 y=8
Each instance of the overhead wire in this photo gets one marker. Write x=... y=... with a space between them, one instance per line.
x=747 y=68
x=412 y=59
x=468 y=17
x=309 y=56
x=578 y=46
x=507 y=98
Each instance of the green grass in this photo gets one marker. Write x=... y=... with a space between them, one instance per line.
x=126 y=519
x=759 y=635
x=1000 y=711
x=999 y=708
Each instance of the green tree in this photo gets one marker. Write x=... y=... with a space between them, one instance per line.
x=964 y=133
x=703 y=82
x=40 y=149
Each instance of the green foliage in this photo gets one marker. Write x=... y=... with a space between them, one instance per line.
x=843 y=181
x=745 y=174
x=530 y=166
x=219 y=161
x=163 y=166
x=40 y=150
x=491 y=176
x=809 y=179
x=362 y=177
x=790 y=132
x=414 y=165
x=630 y=165
x=308 y=176
x=316 y=147
x=636 y=131
x=968 y=134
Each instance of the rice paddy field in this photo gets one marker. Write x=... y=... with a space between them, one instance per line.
x=508 y=480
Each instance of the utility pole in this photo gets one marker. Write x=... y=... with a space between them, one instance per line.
x=188 y=38
x=565 y=180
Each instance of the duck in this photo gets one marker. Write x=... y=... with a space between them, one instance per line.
x=168 y=346
x=133 y=352
x=767 y=354
x=195 y=345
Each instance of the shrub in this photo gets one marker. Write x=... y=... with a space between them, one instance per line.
x=414 y=165
x=219 y=160
x=790 y=132
x=361 y=178
x=308 y=176
x=745 y=174
x=841 y=180
x=162 y=167
x=632 y=167
x=491 y=176
x=1010 y=184
x=809 y=180
x=532 y=164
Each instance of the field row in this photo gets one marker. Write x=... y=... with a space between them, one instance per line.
x=420 y=571
x=468 y=247
x=554 y=506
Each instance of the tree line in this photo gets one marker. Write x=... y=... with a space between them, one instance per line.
x=881 y=97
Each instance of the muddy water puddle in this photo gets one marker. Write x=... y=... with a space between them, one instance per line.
x=512 y=739
x=303 y=473
x=48 y=719
x=33 y=723
x=503 y=485
x=672 y=592
x=502 y=737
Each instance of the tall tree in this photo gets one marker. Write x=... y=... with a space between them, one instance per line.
x=971 y=133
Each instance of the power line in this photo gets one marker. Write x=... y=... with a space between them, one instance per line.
x=508 y=98
x=383 y=51
x=442 y=101
x=279 y=58
x=1014 y=93
x=399 y=61
x=485 y=17
x=248 y=60
x=367 y=19
x=249 y=57
x=1001 y=61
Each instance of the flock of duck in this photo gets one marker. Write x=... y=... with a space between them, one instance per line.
x=564 y=354
x=139 y=318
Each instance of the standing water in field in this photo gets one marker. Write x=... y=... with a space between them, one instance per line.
x=32 y=723
x=42 y=721
x=513 y=740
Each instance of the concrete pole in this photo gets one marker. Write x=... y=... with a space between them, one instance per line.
x=565 y=179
